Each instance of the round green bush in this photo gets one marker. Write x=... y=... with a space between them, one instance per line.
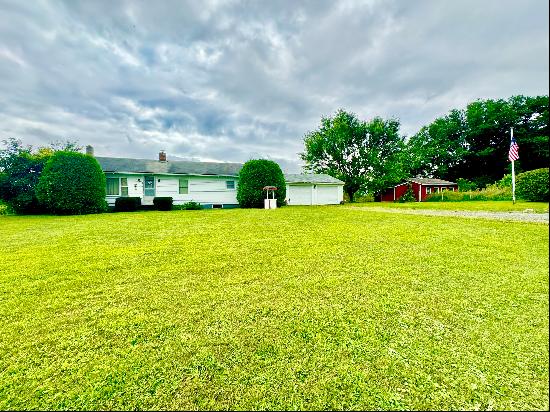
x=254 y=176
x=190 y=206
x=127 y=204
x=72 y=183
x=533 y=185
x=163 y=203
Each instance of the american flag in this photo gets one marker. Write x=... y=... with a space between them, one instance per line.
x=513 y=154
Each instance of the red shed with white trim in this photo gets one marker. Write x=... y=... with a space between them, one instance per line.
x=421 y=187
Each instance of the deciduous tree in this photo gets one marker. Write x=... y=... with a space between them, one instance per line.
x=366 y=156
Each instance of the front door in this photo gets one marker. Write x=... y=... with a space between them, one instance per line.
x=149 y=186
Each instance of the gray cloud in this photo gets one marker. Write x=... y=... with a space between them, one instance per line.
x=232 y=80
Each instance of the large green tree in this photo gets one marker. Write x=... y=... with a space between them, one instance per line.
x=366 y=155
x=439 y=148
x=473 y=143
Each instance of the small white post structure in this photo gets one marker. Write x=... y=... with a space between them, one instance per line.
x=513 y=170
x=270 y=203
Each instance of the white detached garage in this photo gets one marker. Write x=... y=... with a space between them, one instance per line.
x=313 y=189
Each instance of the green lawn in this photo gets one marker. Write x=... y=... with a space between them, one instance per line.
x=490 y=206
x=294 y=308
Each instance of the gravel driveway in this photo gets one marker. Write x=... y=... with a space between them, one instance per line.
x=516 y=216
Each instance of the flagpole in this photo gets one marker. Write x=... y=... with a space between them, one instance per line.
x=513 y=170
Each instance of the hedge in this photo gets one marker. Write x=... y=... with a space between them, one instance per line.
x=254 y=176
x=72 y=183
x=127 y=204
x=533 y=185
x=490 y=193
x=188 y=206
x=163 y=203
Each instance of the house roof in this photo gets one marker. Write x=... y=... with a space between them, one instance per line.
x=124 y=165
x=312 y=178
x=434 y=182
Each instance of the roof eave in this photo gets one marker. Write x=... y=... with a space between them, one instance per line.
x=169 y=174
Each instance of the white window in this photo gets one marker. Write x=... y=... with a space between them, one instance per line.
x=117 y=186
x=124 y=186
x=112 y=187
x=184 y=186
x=230 y=184
x=428 y=190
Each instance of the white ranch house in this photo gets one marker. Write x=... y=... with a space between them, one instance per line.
x=213 y=185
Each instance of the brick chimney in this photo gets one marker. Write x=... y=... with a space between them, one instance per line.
x=162 y=156
x=90 y=150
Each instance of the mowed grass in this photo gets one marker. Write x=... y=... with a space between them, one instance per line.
x=294 y=308
x=488 y=206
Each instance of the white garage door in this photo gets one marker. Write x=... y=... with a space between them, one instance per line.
x=327 y=195
x=299 y=195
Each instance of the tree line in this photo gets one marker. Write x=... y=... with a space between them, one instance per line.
x=369 y=156
x=472 y=143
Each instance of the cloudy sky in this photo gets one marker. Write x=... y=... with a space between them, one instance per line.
x=233 y=80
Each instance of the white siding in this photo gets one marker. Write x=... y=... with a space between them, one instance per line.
x=135 y=187
x=166 y=186
x=201 y=189
x=213 y=190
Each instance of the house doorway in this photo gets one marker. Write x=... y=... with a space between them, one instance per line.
x=149 y=187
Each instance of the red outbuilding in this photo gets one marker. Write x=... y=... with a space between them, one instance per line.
x=421 y=187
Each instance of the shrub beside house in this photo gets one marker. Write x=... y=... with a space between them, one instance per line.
x=72 y=183
x=254 y=176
